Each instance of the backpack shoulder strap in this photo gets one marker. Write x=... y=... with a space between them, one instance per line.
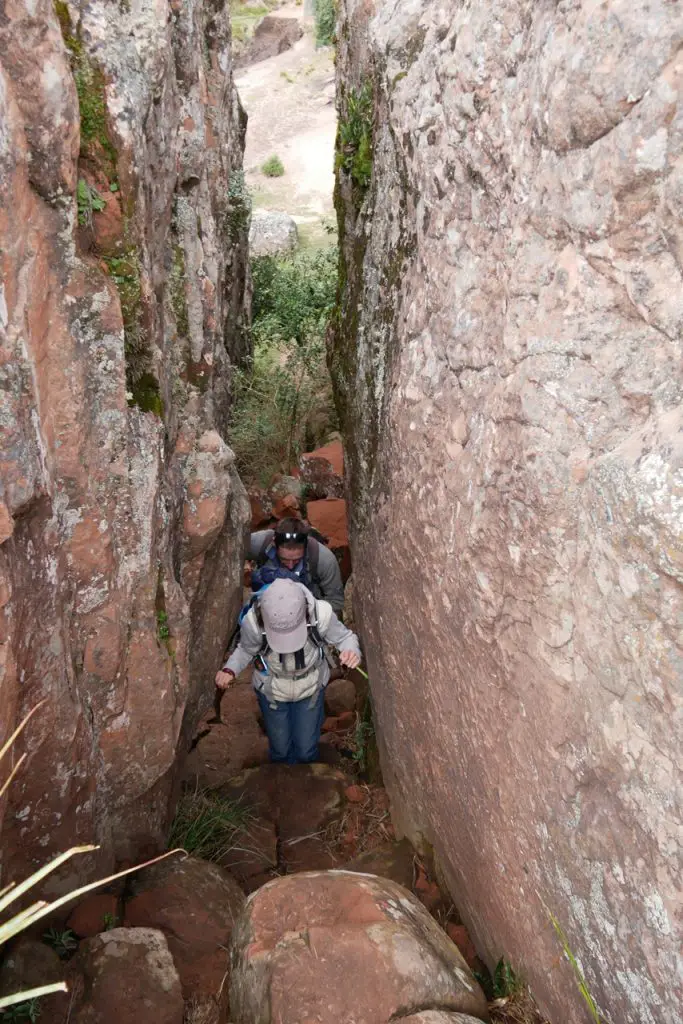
x=267 y=541
x=319 y=618
x=259 y=623
x=313 y=557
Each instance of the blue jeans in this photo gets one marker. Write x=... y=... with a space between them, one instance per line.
x=293 y=727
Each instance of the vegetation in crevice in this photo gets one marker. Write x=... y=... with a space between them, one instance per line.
x=355 y=138
x=207 y=825
x=177 y=291
x=141 y=383
x=283 y=402
x=163 y=630
x=325 y=15
x=88 y=201
x=239 y=205
x=90 y=87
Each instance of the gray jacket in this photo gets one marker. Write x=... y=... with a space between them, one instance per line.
x=326 y=583
x=331 y=630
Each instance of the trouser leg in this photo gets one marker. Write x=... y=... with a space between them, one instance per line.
x=307 y=720
x=277 y=718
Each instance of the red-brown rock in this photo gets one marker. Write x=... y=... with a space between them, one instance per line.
x=329 y=725
x=97 y=913
x=355 y=794
x=124 y=970
x=289 y=804
x=330 y=519
x=194 y=903
x=122 y=514
x=336 y=947
x=225 y=749
x=514 y=443
x=322 y=471
x=261 y=506
x=346 y=720
x=390 y=860
x=340 y=696
x=461 y=937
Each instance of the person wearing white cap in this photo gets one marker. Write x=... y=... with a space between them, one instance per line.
x=284 y=633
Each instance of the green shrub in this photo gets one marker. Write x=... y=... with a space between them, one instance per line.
x=88 y=201
x=325 y=13
x=273 y=167
x=354 y=142
x=283 y=401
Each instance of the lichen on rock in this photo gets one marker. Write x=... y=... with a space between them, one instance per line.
x=123 y=114
x=507 y=365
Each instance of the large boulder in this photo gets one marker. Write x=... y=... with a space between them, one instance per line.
x=507 y=363
x=128 y=974
x=195 y=904
x=273 y=35
x=341 y=948
x=272 y=233
x=121 y=323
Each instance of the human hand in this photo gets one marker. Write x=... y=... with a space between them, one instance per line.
x=349 y=658
x=224 y=678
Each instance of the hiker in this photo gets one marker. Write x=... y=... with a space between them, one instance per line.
x=291 y=552
x=284 y=633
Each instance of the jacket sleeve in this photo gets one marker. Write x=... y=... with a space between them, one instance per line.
x=329 y=579
x=248 y=647
x=340 y=637
x=256 y=543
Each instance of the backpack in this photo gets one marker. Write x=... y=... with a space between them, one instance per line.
x=268 y=570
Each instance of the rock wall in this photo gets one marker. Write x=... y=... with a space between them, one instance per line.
x=123 y=222
x=507 y=362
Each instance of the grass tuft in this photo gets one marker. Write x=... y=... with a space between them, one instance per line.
x=207 y=825
x=273 y=167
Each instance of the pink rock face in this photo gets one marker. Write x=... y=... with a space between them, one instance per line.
x=121 y=515
x=337 y=947
x=514 y=434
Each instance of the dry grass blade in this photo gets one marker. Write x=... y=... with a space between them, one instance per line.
x=32 y=993
x=38 y=876
x=8 y=781
x=19 y=729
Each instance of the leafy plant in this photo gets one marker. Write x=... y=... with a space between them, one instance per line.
x=163 y=631
x=108 y=922
x=30 y=1010
x=273 y=167
x=63 y=942
x=354 y=142
x=88 y=201
x=207 y=825
x=36 y=911
x=325 y=15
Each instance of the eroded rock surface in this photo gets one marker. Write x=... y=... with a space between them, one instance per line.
x=121 y=303
x=123 y=971
x=508 y=367
x=342 y=948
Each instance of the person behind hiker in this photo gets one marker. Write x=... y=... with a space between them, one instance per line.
x=284 y=633
x=291 y=552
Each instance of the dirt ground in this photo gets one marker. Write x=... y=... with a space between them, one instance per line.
x=289 y=100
